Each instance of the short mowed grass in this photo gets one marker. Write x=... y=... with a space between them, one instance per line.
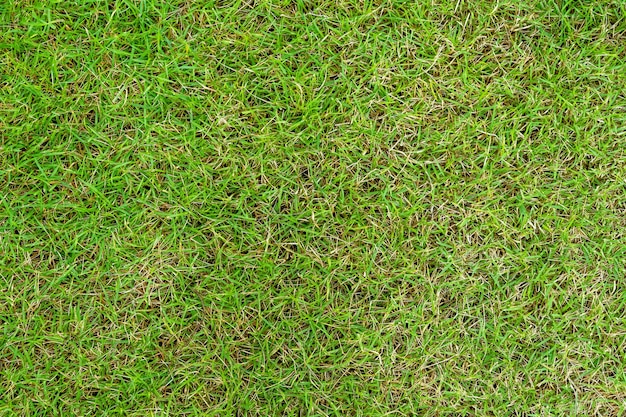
x=320 y=208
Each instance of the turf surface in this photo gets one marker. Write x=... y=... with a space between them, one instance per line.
x=329 y=208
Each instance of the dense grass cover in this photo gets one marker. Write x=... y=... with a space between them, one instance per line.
x=330 y=208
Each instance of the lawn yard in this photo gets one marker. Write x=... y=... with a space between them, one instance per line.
x=313 y=208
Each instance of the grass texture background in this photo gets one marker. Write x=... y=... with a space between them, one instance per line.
x=324 y=208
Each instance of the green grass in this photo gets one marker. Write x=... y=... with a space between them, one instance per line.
x=324 y=208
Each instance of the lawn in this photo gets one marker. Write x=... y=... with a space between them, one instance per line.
x=313 y=208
